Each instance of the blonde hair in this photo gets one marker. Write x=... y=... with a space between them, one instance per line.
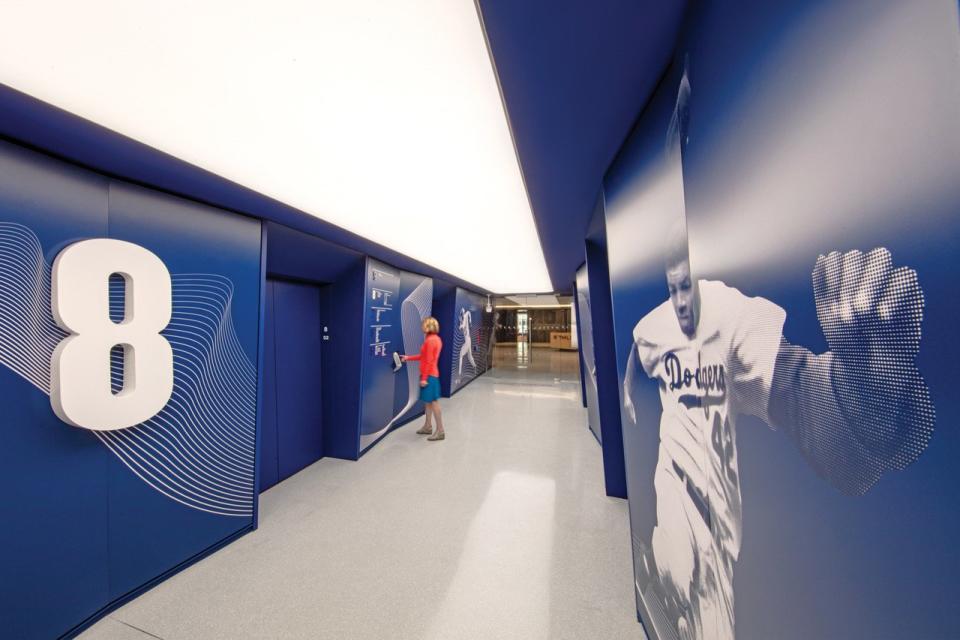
x=430 y=325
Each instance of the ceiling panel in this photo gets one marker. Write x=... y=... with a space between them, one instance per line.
x=382 y=118
x=574 y=77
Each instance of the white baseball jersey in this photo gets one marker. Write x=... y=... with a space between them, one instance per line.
x=726 y=368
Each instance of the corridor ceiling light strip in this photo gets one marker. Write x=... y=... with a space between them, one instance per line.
x=383 y=118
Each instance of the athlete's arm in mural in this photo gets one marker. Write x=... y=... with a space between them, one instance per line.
x=860 y=408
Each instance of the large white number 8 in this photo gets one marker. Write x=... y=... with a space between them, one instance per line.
x=80 y=389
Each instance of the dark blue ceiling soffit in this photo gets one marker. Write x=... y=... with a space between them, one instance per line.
x=574 y=75
x=36 y=124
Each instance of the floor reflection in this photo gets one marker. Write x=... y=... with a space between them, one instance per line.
x=534 y=363
x=505 y=564
x=501 y=531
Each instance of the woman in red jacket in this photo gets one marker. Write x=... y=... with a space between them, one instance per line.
x=430 y=377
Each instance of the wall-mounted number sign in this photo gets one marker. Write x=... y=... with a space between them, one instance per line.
x=81 y=391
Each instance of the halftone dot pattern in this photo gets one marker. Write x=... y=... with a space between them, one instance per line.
x=471 y=347
x=484 y=335
x=871 y=315
x=665 y=609
x=855 y=412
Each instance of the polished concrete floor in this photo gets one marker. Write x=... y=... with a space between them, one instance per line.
x=500 y=531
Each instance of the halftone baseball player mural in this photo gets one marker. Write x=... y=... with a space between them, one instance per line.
x=853 y=412
x=470 y=339
x=466 y=349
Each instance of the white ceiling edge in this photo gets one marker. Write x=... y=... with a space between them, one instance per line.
x=381 y=117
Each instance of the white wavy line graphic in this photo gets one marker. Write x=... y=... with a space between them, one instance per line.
x=199 y=450
x=413 y=310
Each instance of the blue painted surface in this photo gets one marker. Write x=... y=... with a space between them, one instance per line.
x=469 y=349
x=605 y=360
x=297 y=256
x=574 y=75
x=381 y=339
x=300 y=256
x=814 y=562
x=180 y=232
x=343 y=305
x=582 y=366
x=444 y=305
x=292 y=431
x=299 y=376
x=261 y=360
x=42 y=126
x=55 y=568
x=587 y=356
x=268 y=458
x=395 y=304
x=406 y=381
x=81 y=530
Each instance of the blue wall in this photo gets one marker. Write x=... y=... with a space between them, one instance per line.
x=396 y=302
x=605 y=362
x=808 y=128
x=146 y=502
x=469 y=351
x=340 y=275
x=572 y=74
x=341 y=394
x=292 y=420
x=588 y=359
x=92 y=518
x=582 y=366
x=444 y=302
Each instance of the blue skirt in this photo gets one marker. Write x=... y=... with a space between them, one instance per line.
x=431 y=392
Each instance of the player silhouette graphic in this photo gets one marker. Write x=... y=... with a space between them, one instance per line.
x=466 y=349
x=854 y=412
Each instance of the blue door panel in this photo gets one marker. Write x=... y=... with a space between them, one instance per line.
x=269 y=470
x=53 y=568
x=186 y=483
x=298 y=375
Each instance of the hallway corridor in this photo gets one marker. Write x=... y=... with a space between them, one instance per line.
x=501 y=531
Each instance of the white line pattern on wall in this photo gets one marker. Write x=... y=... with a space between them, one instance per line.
x=199 y=450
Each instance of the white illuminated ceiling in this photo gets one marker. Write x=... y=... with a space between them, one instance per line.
x=382 y=117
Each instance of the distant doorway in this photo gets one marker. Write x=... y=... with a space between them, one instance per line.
x=523 y=326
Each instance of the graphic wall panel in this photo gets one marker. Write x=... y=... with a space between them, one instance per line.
x=782 y=227
x=93 y=515
x=55 y=477
x=396 y=302
x=586 y=349
x=472 y=331
x=196 y=457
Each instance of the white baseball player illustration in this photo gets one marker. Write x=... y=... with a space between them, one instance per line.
x=854 y=412
x=587 y=344
x=466 y=349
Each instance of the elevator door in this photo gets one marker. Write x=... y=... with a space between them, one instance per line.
x=292 y=423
